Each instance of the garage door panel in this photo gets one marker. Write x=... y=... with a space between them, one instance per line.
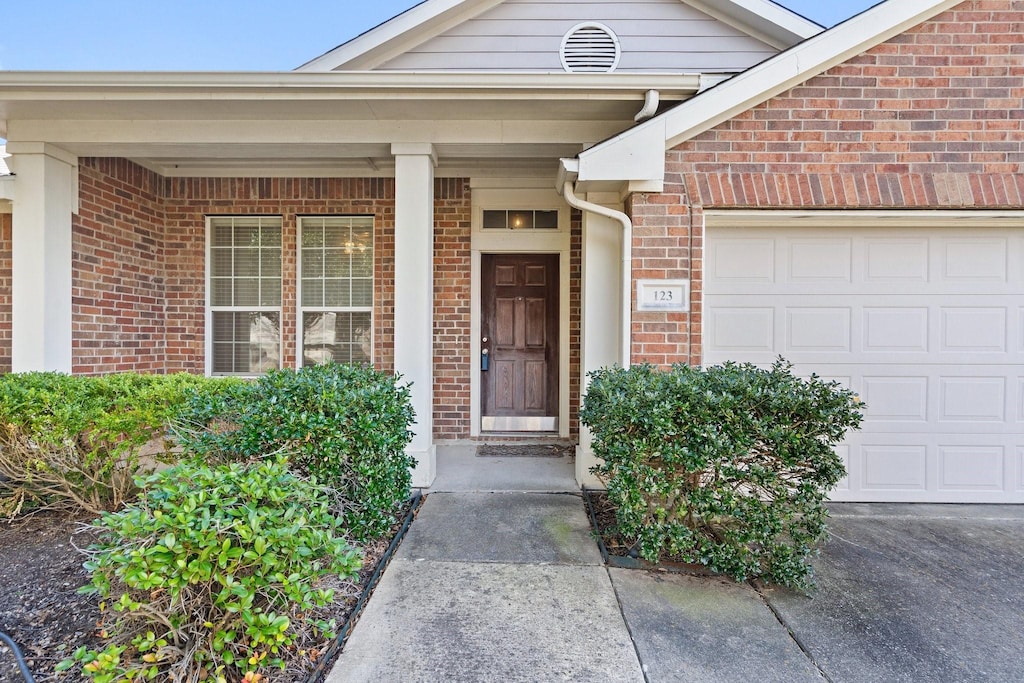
x=818 y=330
x=896 y=260
x=971 y=468
x=979 y=259
x=743 y=329
x=892 y=467
x=896 y=399
x=820 y=260
x=972 y=399
x=981 y=330
x=925 y=324
x=895 y=329
x=742 y=260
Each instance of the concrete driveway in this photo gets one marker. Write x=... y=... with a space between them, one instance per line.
x=508 y=586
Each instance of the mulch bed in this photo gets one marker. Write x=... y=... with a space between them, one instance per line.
x=40 y=608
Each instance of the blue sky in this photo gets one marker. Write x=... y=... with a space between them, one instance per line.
x=216 y=35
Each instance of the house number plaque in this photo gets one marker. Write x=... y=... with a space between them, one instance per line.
x=663 y=295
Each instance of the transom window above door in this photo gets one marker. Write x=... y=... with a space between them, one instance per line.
x=520 y=219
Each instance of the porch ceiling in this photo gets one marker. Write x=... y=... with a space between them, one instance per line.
x=325 y=124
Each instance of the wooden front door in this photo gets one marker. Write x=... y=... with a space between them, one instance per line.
x=519 y=344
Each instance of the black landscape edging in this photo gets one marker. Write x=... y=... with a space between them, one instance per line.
x=317 y=673
x=620 y=562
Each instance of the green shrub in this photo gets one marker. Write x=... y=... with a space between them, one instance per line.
x=212 y=573
x=347 y=425
x=727 y=467
x=78 y=441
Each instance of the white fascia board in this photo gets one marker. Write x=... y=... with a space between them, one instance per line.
x=762 y=82
x=399 y=34
x=762 y=19
x=85 y=85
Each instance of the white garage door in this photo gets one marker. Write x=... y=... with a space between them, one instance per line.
x=925 y=324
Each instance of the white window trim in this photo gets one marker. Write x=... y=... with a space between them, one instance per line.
x=208 y=304
x=300 y=309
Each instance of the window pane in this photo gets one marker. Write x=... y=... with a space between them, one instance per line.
x=247 y=262
x=362 y=264
x=270 y=292
x=220 y=262
x=312 y=263
x=362 y=239
x=318 y=338
x=312 y=292
x=270 y=262
x=362 y=293
x=220 y=235
x=495 y=219
x=336 y=293
x=545 y=220
x=312 y=234
x=247 y=292
x=520 y=220
x=246 y=342
x=341 y=337
x=245 y=236
x=336 y=263
x=220 y=292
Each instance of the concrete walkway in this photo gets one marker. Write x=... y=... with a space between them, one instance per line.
x=510 y=587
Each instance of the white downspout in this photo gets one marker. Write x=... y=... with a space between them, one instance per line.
x=568 y=191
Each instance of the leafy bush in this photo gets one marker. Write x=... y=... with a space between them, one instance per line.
x=212 y=573
x=78 y=442
x=727 y=467
x=346 y=425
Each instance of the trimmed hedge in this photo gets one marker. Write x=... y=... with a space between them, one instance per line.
x=77 y=442
x=346 y=425
x=728 y=467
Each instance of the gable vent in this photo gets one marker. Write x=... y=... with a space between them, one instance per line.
x=590 y=48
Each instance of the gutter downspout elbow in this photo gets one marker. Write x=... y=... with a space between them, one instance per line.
x=569 y=193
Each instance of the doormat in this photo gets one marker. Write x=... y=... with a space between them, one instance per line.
x=525 y=450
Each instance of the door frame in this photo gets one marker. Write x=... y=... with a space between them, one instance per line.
x=491 y=193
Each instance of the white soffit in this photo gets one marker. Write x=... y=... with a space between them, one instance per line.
x=761 y=19
x=3 y=162
x=757 y=85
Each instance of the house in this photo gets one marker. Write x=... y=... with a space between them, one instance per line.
x=495 y=197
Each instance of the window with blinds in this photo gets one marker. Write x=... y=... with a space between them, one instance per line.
x=244 y=294
x=336 y=289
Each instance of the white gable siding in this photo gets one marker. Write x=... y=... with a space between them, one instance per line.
x=525 y=35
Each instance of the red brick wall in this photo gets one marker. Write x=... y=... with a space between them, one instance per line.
x=452 y=295
x=5 y=292
x=930 y=119
x=117 y=264
x=190 y=200
x=575 y=317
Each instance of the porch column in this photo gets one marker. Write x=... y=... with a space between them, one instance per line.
x=600 y=326
x=414 y=294
x=45 y=196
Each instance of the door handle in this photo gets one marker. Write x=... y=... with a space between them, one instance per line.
x=485 y=360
